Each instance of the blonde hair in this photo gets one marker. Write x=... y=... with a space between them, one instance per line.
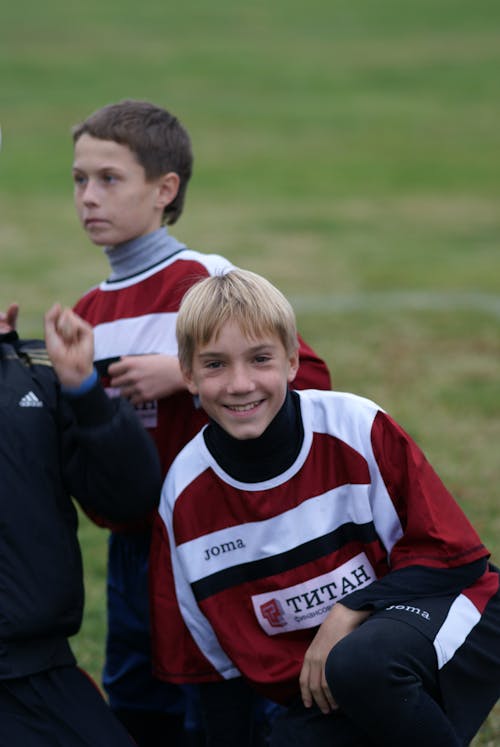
x=237 y=296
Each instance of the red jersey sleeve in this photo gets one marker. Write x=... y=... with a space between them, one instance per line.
x=176 y=656
x=436 y=532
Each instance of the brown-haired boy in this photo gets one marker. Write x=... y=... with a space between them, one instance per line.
x=132 y=164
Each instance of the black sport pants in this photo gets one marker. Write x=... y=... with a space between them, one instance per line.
x=58 y=708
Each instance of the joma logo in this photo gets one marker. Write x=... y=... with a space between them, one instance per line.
x=409 y=608
x=216 y=550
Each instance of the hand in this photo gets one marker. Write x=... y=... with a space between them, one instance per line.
x=313 y=686
x=142 y=378
x=8 y=319
x=70 y=345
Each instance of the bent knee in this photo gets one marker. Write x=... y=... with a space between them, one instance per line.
x=359 y=657
x=345 y=664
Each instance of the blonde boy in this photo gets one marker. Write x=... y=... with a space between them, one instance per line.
x=317 y=557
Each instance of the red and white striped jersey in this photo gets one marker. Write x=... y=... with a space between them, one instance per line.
x=258 y=566
x=137 y=316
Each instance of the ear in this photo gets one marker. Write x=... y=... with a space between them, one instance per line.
x=293 y=362
x=168 y=186
x=189 y=381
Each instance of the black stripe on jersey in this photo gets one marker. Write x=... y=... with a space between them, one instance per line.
x=285 y=561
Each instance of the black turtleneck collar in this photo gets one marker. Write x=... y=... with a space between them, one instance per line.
x=265 y=457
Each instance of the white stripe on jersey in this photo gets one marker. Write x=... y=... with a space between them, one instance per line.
x=150 y=333
x=253 y=541
x=349 y=417
x=313 y=518
x=213 y=263
x=462 y=617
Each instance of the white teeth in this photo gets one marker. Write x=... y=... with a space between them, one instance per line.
x=242 y=408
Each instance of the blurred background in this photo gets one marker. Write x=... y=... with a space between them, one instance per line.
x=346 y=149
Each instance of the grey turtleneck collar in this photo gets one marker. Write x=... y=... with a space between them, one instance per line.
x=135 y=256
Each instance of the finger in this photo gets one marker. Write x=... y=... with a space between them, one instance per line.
x=118 y=368
x=321 y=700
x=316 y=680
x=53 y=313
x=11 y=316
x=122 y=382
x=305 y=690
x=66 y=326
x=328 y=696
x=50 y=319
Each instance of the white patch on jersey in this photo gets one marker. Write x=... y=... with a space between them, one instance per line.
x=141 y=335
x=462 y=617
x=307 y=604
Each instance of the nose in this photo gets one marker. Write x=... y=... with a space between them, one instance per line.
x=240 y=380
x=89 y=193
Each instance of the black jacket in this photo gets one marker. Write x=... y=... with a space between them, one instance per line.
x=52 y=448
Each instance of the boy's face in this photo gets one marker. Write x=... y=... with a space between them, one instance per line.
x=241 y=382
x=113 y=200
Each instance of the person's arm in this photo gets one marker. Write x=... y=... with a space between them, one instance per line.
x=404 y=585
x=110 y=463
x=313 y=685
x=415 y=582
x=142 y=378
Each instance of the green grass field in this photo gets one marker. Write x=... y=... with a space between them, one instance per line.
x=348 y=150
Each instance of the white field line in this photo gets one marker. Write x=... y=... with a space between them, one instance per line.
x=446 y=301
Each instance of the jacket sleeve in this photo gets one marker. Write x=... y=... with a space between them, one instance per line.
x=109 y=461
x=415 y=582
x=313 y=372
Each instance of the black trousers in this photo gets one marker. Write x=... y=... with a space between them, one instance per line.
x=385 y=678
x=58 y=708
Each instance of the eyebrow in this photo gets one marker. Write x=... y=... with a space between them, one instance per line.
x=255 y=349
x=76 y=167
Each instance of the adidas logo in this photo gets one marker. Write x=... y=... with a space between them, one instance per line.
x=30 y=400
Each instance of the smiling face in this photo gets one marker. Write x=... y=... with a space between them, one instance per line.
x=241 y=382
x=113 y=199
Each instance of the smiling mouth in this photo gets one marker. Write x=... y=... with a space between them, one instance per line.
x=244 y=408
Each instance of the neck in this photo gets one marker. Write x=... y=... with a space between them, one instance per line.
x=138 y=255
x=265 y=457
